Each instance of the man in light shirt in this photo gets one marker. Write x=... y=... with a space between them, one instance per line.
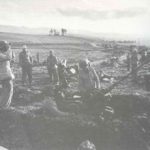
x=6 y=75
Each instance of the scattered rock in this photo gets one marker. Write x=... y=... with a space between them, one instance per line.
x=86 y=145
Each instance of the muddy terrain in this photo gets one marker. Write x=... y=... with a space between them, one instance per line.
x=37 y=120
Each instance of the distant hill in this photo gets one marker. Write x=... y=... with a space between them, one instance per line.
x=77 y=33
x=43 y=39
x=23 y=30
x=26 y=34
x=35 y=35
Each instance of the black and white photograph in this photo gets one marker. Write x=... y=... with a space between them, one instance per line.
x=74 y=75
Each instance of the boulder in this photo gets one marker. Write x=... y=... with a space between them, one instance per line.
x=3 y=148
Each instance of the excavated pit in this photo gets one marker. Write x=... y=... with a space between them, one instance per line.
x=114 y=123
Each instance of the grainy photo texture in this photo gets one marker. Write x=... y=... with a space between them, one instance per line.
x=74 y=75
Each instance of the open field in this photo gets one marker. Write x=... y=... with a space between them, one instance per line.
x=64 y=46
x=37 y=120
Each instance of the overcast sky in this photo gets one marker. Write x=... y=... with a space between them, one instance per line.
x=107 y=16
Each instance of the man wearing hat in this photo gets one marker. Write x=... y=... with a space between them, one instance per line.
x=25 y=61
x=134 y=63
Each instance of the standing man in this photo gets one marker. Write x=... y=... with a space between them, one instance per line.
x=88 y=78
x=62 y=74
x=134 y=64
x=129 y=61
x=143 y=55
x=25 y=61
x=38 y=58
x=52 y=67
x=6 y=75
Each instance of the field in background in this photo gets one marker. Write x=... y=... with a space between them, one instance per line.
x=65 y=47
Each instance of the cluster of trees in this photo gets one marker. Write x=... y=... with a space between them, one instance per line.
x=55 y=32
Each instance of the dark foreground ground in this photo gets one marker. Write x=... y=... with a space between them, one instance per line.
x=35 y=122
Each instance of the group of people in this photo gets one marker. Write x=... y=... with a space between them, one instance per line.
x=135 y=58
x=87 y=77
x=54 y=67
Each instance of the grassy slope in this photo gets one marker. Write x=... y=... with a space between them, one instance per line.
x=26 y=38
x=65 y=47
